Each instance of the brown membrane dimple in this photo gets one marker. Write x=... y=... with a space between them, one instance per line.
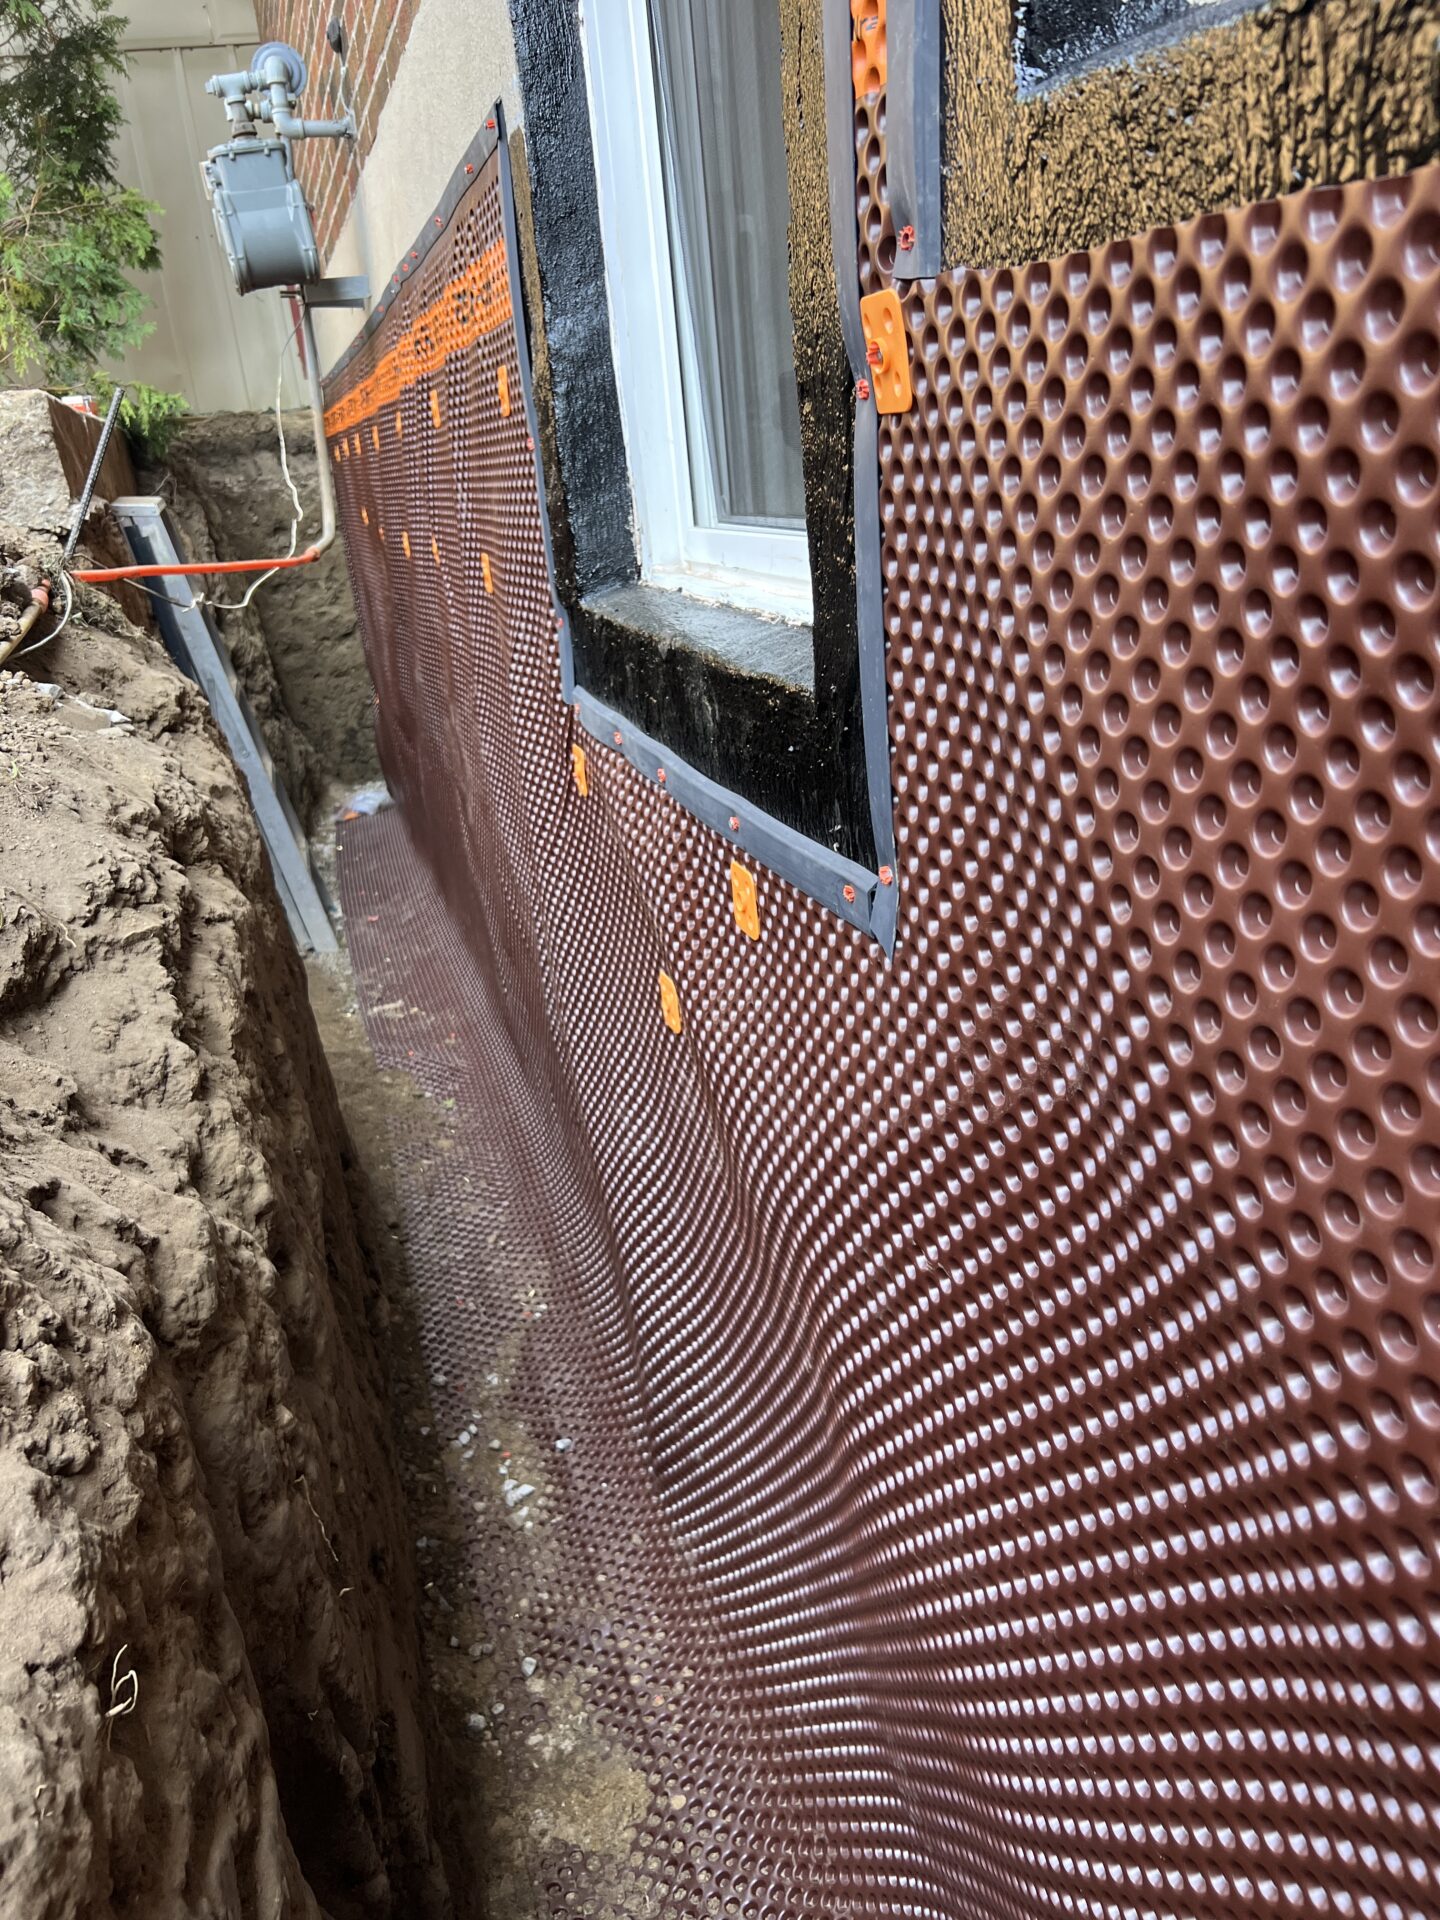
x=1003 y=1383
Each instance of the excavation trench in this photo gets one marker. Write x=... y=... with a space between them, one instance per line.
x=258 y=1663
x=541 y=1792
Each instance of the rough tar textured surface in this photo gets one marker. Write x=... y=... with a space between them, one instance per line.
x=1292 y=93
x=1004 y=1383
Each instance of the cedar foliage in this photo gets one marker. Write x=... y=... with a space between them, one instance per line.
x=70 y=234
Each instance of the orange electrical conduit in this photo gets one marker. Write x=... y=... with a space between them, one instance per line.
x=97 y=576
x=94 y=576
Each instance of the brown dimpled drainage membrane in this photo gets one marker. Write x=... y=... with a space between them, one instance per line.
x=981 y=1409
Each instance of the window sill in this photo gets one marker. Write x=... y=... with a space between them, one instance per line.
x=727 y=692
x=752 y=644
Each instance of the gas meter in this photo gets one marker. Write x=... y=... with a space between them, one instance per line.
x=261 y=216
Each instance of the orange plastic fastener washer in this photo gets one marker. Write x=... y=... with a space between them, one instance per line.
x=745 y=900
x=670 y=1003
x=849 y=892
x=887 y=350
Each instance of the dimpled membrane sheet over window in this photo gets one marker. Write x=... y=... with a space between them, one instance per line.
x=983 y=1407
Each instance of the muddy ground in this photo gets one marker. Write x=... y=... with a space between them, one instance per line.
x=212 y=1700
x=247 y=1671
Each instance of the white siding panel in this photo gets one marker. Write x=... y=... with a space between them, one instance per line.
x=218 y=350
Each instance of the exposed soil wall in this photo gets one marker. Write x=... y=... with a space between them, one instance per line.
x=211 y=1700
x=298 y=640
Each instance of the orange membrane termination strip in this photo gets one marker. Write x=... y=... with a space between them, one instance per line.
x=670 y=1003
x=475 y=304
x=868 y=62
x=887 y=350
x=582 y=771
x=745 y=900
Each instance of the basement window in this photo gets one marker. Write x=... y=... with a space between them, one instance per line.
x=694 y=213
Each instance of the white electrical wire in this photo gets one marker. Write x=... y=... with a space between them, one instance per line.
x=65 y=582
x=239 y=606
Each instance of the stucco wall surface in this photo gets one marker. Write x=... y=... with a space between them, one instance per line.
x=458 y=60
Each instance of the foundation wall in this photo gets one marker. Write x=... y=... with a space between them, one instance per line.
x=1012 y=1356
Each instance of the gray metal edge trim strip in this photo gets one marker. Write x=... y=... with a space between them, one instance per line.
x=805 y=863
x=912 y=133
x=532 y=418
x=150 y=533
x=874 y=693
x=840 y=152
x=869 y=595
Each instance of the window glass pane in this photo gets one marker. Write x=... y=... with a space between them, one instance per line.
x=718 y=71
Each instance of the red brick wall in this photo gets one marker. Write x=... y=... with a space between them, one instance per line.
x=376 y=32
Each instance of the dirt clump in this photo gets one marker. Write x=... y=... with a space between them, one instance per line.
x=211 y=1695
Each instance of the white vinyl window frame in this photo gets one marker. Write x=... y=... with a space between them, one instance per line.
x=764 y=569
